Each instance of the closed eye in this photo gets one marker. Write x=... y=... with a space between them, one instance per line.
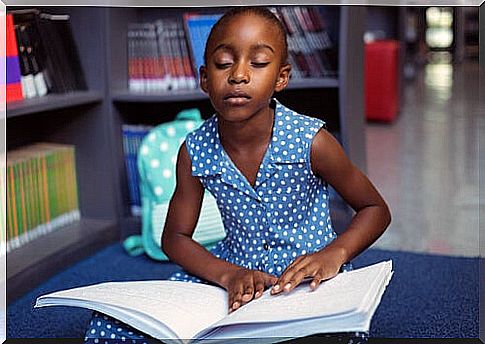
x=260 y=64
x=223 y=65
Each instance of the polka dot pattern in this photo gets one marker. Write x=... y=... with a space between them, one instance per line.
x=285 y=214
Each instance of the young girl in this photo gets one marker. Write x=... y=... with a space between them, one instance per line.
x=268 y=168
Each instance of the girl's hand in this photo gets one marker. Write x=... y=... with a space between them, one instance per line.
x=243 y=285
x=320 y=266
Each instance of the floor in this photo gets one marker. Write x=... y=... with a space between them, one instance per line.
x=425 y=164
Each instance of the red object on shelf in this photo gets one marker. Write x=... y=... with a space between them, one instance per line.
x=381 y=80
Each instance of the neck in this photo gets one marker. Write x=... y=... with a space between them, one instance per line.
x=249 y=134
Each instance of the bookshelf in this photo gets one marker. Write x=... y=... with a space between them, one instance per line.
x=78 y=119
x=92 y=121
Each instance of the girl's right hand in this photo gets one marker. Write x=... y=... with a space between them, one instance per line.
x=244 y=285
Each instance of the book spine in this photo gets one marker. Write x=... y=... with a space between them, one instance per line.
x=11 y=210
x=145 y=57
x=27 y=77
x=3 y=209
x=177 y=59
x=187 y=64
x=27 y=191
x=163 y=63
x=13 y=76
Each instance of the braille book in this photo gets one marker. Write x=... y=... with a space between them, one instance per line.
x=183 y=312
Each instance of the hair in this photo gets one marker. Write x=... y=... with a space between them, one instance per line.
x=260 y=11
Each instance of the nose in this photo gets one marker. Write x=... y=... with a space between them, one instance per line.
x=239 y=74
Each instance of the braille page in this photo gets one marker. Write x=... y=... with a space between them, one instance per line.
x=343 y=294
x=185 y=308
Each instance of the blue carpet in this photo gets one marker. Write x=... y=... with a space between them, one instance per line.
x=429 y=296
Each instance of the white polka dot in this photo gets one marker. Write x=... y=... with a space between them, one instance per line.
x=171 y=131
x=144 y=150
x=164 y=146
x=154 y=163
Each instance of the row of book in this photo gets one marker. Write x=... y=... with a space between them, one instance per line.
x=311 y=50
x=42 y=56
x=132 y=137
x=166 y=54
x=3 y=202
x=158 y=57
x=42 y=193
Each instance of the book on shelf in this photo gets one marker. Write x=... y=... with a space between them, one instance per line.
x=158 y=57
x=48 y=54
x=311 y=50
x=42 y=191
x=197 y=27
x=183 y=312
x=132 y=137
x=13 y=77
x=181 y=45
x=3 y=203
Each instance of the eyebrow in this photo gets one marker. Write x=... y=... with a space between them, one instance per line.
x=253 y=47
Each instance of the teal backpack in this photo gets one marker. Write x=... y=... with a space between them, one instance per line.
x=156 y=162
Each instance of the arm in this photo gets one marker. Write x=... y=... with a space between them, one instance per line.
x=183 y=213
x=371 y=219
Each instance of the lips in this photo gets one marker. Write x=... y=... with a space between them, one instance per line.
x=237 y=98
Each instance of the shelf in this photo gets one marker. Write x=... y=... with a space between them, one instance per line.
x=52 y=102
x=36 y=261
x=190 y=95
x=303 y=83
x=154 y=97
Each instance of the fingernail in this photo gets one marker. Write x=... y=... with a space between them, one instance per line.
x=287 y=286
x=276 y=287
x=258 y=293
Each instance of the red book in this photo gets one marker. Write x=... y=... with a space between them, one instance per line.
x=13 y=87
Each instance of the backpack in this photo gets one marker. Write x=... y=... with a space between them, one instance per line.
x=156 y=161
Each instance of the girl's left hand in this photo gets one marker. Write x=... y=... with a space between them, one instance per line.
x=319 y=266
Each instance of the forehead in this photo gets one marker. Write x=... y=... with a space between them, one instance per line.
x=247 y=28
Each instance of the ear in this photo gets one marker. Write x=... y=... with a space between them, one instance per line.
x=283 y=77
x=203 y=78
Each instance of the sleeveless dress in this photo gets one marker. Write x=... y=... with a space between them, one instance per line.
x=286 y=214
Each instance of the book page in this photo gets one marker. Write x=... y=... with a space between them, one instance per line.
x=186 y=308
x=343 y=294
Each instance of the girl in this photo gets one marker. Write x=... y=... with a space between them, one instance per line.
x=268 y=168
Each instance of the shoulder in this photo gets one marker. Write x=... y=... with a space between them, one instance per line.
x=328 y=155
x=293 y=121
x=202 y=136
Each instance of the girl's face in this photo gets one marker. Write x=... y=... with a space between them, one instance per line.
x=244 y=67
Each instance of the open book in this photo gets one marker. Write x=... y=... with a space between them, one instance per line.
x=180 y=310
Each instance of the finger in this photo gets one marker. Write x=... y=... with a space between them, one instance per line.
x=235 y=297
x=235 y=302
x=317 y=279
x=270 y=280
x=259 y=288
x=322 y=275
x=295 y=280
x=248 y=293
x=285 y=279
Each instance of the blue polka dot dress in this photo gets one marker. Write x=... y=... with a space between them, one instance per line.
x=286 y=214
